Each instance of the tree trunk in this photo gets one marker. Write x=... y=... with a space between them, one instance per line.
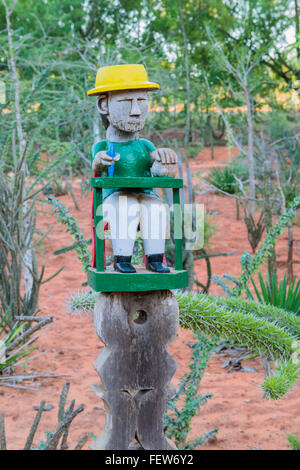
x=272 y=265
x=237 y=204
x=187 y=78
x=290 y=273
x=250 y=151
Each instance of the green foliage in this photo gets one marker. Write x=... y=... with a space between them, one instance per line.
x=194 y=149
x=57 y=42
x=282 y=380
x=178 y=421
x=16 y=343
x=81 y=302
x=248 y=328
x=138 y=251
x=9 y=361
x=265 y=329
x=21 y=131
x=270 y=313
x=250 y=263
x=277 y=173
x=42 y=445
x=281 y=294
x=198 y=311
x=56 y=440
x=285 y=150
x=294 y=442
x=69 y=248
x=226 y=179
x=17 y=230
x=65 y=218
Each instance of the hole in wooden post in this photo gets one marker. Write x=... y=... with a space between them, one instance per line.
x=140 y=316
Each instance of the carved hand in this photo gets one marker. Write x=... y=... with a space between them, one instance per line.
x=102 y=161
x=165 y=162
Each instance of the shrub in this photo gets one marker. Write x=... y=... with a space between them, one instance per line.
x=281 y=294
x=225 y=179
x=17 y=341
x=294 y=442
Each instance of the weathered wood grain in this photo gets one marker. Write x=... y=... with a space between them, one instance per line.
x=135 y=367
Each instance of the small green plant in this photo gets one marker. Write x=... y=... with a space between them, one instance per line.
x=281 y=294
x=56 y=440
x=226 y=179
x=16 y=343
x=294 y=442
x=81 y=302
x=283 y=378
x=194 y=149
x=178 y=421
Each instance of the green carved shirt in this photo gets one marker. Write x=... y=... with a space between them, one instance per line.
x=134 y=161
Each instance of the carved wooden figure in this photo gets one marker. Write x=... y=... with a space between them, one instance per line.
x=126 y=199
x=136 y=315
x=123 y=105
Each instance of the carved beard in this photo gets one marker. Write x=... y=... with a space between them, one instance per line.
x=128 y=126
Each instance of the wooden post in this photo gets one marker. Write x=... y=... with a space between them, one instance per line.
x=135 y=367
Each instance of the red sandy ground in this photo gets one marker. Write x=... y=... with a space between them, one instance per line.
x=245 y=420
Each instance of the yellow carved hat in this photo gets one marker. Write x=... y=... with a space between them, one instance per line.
x=122 y=77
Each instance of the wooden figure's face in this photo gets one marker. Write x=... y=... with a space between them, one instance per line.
x=126 y=110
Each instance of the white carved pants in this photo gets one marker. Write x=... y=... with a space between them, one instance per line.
x=124 y=211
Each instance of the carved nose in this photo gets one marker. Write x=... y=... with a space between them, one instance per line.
x=135 y=109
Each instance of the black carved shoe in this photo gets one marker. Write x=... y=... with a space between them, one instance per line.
x=155 y=263
x=123 y=264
